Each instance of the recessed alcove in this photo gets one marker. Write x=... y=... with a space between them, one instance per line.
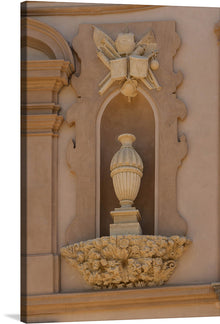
x=135 y=117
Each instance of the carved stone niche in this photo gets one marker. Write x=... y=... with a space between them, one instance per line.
x=126 y=84
x=88 y=114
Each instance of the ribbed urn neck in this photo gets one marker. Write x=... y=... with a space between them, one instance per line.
x=126 y=139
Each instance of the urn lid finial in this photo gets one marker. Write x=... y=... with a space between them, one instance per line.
x=126 y=139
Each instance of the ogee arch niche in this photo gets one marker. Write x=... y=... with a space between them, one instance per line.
x=135 y=117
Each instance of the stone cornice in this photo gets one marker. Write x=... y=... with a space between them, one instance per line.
x=44 y=76
x=43 y=108
x=90 y=305
x=48 y=69
x=41 y=124
x=81 y=10
x=44 y=84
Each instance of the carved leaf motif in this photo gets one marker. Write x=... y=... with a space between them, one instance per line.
x=126 y=261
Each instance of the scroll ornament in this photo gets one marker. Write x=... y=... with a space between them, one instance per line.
x=127 y=61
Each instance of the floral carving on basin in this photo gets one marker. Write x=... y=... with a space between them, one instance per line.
x=126 y=260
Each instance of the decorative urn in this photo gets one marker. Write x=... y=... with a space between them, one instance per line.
x=126 y=171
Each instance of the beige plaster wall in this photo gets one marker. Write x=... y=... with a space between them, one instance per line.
x=31 y=54
x=197 y=181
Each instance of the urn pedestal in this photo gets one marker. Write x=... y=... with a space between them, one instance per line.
x=126 y=172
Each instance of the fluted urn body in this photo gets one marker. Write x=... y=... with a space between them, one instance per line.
x=126 y=171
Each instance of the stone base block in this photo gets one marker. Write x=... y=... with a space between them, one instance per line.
x=125 y=229
x=125 y=215
x=41 y=271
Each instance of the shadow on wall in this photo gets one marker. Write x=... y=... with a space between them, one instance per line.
x=15 y=317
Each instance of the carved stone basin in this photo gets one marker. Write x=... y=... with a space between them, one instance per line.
x=126 y=260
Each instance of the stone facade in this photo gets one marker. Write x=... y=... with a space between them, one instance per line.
x=69 y=119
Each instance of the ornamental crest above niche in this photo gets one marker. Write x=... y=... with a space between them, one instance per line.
x=128 y=61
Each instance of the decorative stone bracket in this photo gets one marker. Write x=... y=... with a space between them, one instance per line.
x=126 y=261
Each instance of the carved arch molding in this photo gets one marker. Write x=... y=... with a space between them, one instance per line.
x=84 y=113
x=46 y=39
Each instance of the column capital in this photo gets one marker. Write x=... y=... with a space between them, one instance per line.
x=41 y=81
x=46 y=124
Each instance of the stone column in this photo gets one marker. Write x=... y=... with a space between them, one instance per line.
x=40 y=121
